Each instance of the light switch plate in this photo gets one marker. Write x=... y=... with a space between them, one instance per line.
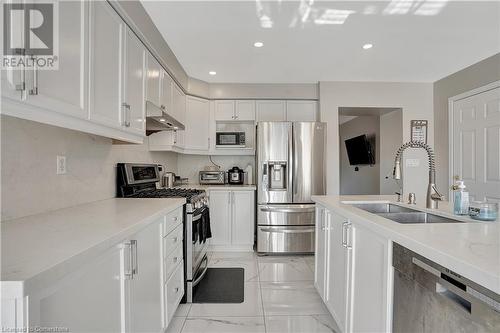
x=412 y=162
x=61 y=165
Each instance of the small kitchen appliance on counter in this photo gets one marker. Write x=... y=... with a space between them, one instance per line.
x=212 y=177
x=235 y=176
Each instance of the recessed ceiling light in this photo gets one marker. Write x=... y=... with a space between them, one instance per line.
x=161 y=119
x=367 y=46
x=258 y=44
x=212 y=72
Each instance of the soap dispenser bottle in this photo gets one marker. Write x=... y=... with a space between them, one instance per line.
x=460 y=199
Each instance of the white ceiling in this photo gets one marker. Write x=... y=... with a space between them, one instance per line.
x=310 y=41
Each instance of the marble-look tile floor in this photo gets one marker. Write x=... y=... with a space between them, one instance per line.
x=279 y=297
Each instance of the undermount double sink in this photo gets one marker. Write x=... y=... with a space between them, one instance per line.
x=403 y=214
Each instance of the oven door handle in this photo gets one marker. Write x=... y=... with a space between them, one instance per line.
x=288 y=231
x=202 y=275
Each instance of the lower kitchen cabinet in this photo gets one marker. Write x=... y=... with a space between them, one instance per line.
x=232 y=219
x=352 y=273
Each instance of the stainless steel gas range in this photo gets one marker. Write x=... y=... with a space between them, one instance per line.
x=139 y=181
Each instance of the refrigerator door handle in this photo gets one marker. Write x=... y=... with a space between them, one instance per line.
x=288 y=209
x=288 y=231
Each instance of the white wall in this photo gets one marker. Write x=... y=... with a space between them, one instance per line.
x=416 y=101
x=29 y=184
x=367 y=179
x=190 y=165
x=391 y=138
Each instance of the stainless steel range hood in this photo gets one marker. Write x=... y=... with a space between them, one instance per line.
x=158 y=119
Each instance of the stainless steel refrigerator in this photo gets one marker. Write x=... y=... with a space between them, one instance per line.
x=290 y=169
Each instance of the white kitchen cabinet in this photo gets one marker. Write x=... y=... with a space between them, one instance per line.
x=88 y=300
x=153 y=80
x=245 y=110
x=235 y=110
x=232 y=219
x=243 y=218
x=197 y=124
x=107 y=31
x=224 y=110
x=301 y=110
x=166 y=94
x=144 y=290
x=135 y=83
x=321 y=251
x=270 y=110
x=65 y=90
x=370 y=290
x=337 y=258
x=178 y=103
x=220 y=217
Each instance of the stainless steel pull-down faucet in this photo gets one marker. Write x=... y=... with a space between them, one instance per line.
x=433 y=196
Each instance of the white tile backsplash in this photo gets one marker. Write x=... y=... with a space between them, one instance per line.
x=29 y=183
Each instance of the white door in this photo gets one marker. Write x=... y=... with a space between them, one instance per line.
x=107 y=39
x=145 y=288
x=220 y=217
x=245 y=110
x=476 y=144
x=89 y=300
x=224 y=110
x=243 y=218
x=320 y=251
x=301 y=110
x=197 y=124
x=370 y=293
x=271 y=110
x=154 y=76
x=166 y=94
x=65 y=90
x=337 y=259
x=135 y=83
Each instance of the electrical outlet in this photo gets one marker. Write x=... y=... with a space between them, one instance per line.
x=413 y=162
x=61 y=165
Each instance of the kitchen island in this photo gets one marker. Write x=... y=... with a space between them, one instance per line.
x=470 y=249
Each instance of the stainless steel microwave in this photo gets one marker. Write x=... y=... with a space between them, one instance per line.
x=230 y=139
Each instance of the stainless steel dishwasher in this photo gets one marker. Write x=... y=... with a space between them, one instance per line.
x=431 y=298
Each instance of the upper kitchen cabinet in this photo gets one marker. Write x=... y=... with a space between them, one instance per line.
x=271 y=110
x=135 y=83
x=235 y=110
x=178 y=103
x=107 y=32
x=166 y=93
x=154 y=77
x=301 y=110
x=197 y=124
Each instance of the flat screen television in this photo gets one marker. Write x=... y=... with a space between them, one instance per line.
x=359 y=150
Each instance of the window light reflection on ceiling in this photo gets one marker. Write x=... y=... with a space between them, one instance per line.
x=333 y=16
x=416 y=7
x=431 y=8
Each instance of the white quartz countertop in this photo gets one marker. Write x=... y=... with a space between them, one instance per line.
x=65 y=238
x=225 y=187
x=470 y=249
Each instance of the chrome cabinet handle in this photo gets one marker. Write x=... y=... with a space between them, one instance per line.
x=126 y=112
x=34 y=89
x=128 y=261
x=176 y=289
x=344 y=236
x=22 y=85
x=133 y=244
x=348 y=242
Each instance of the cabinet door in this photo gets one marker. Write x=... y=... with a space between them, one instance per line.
x=197 y=124
x=301 y=110
x=154 y=74
x=245 y=111
x=243 y=217
x=145 y=288
x=220 y=217
x=224 y=110
x=337 y=269
x=135 y=83
x=179 y=103
x=107 y=36
x=93 y=292
x=271 y=111
x=370 y=292
x=65 y=90
x=166 y=96
x=320 y=252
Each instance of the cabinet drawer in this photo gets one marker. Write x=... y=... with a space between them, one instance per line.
x=172 y=220
x=172 y=261
x=172 y=240
x=174 y=290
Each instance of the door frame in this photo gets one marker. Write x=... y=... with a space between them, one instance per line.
x=451 y=101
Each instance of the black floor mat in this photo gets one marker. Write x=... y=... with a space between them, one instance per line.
x=221 y=285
